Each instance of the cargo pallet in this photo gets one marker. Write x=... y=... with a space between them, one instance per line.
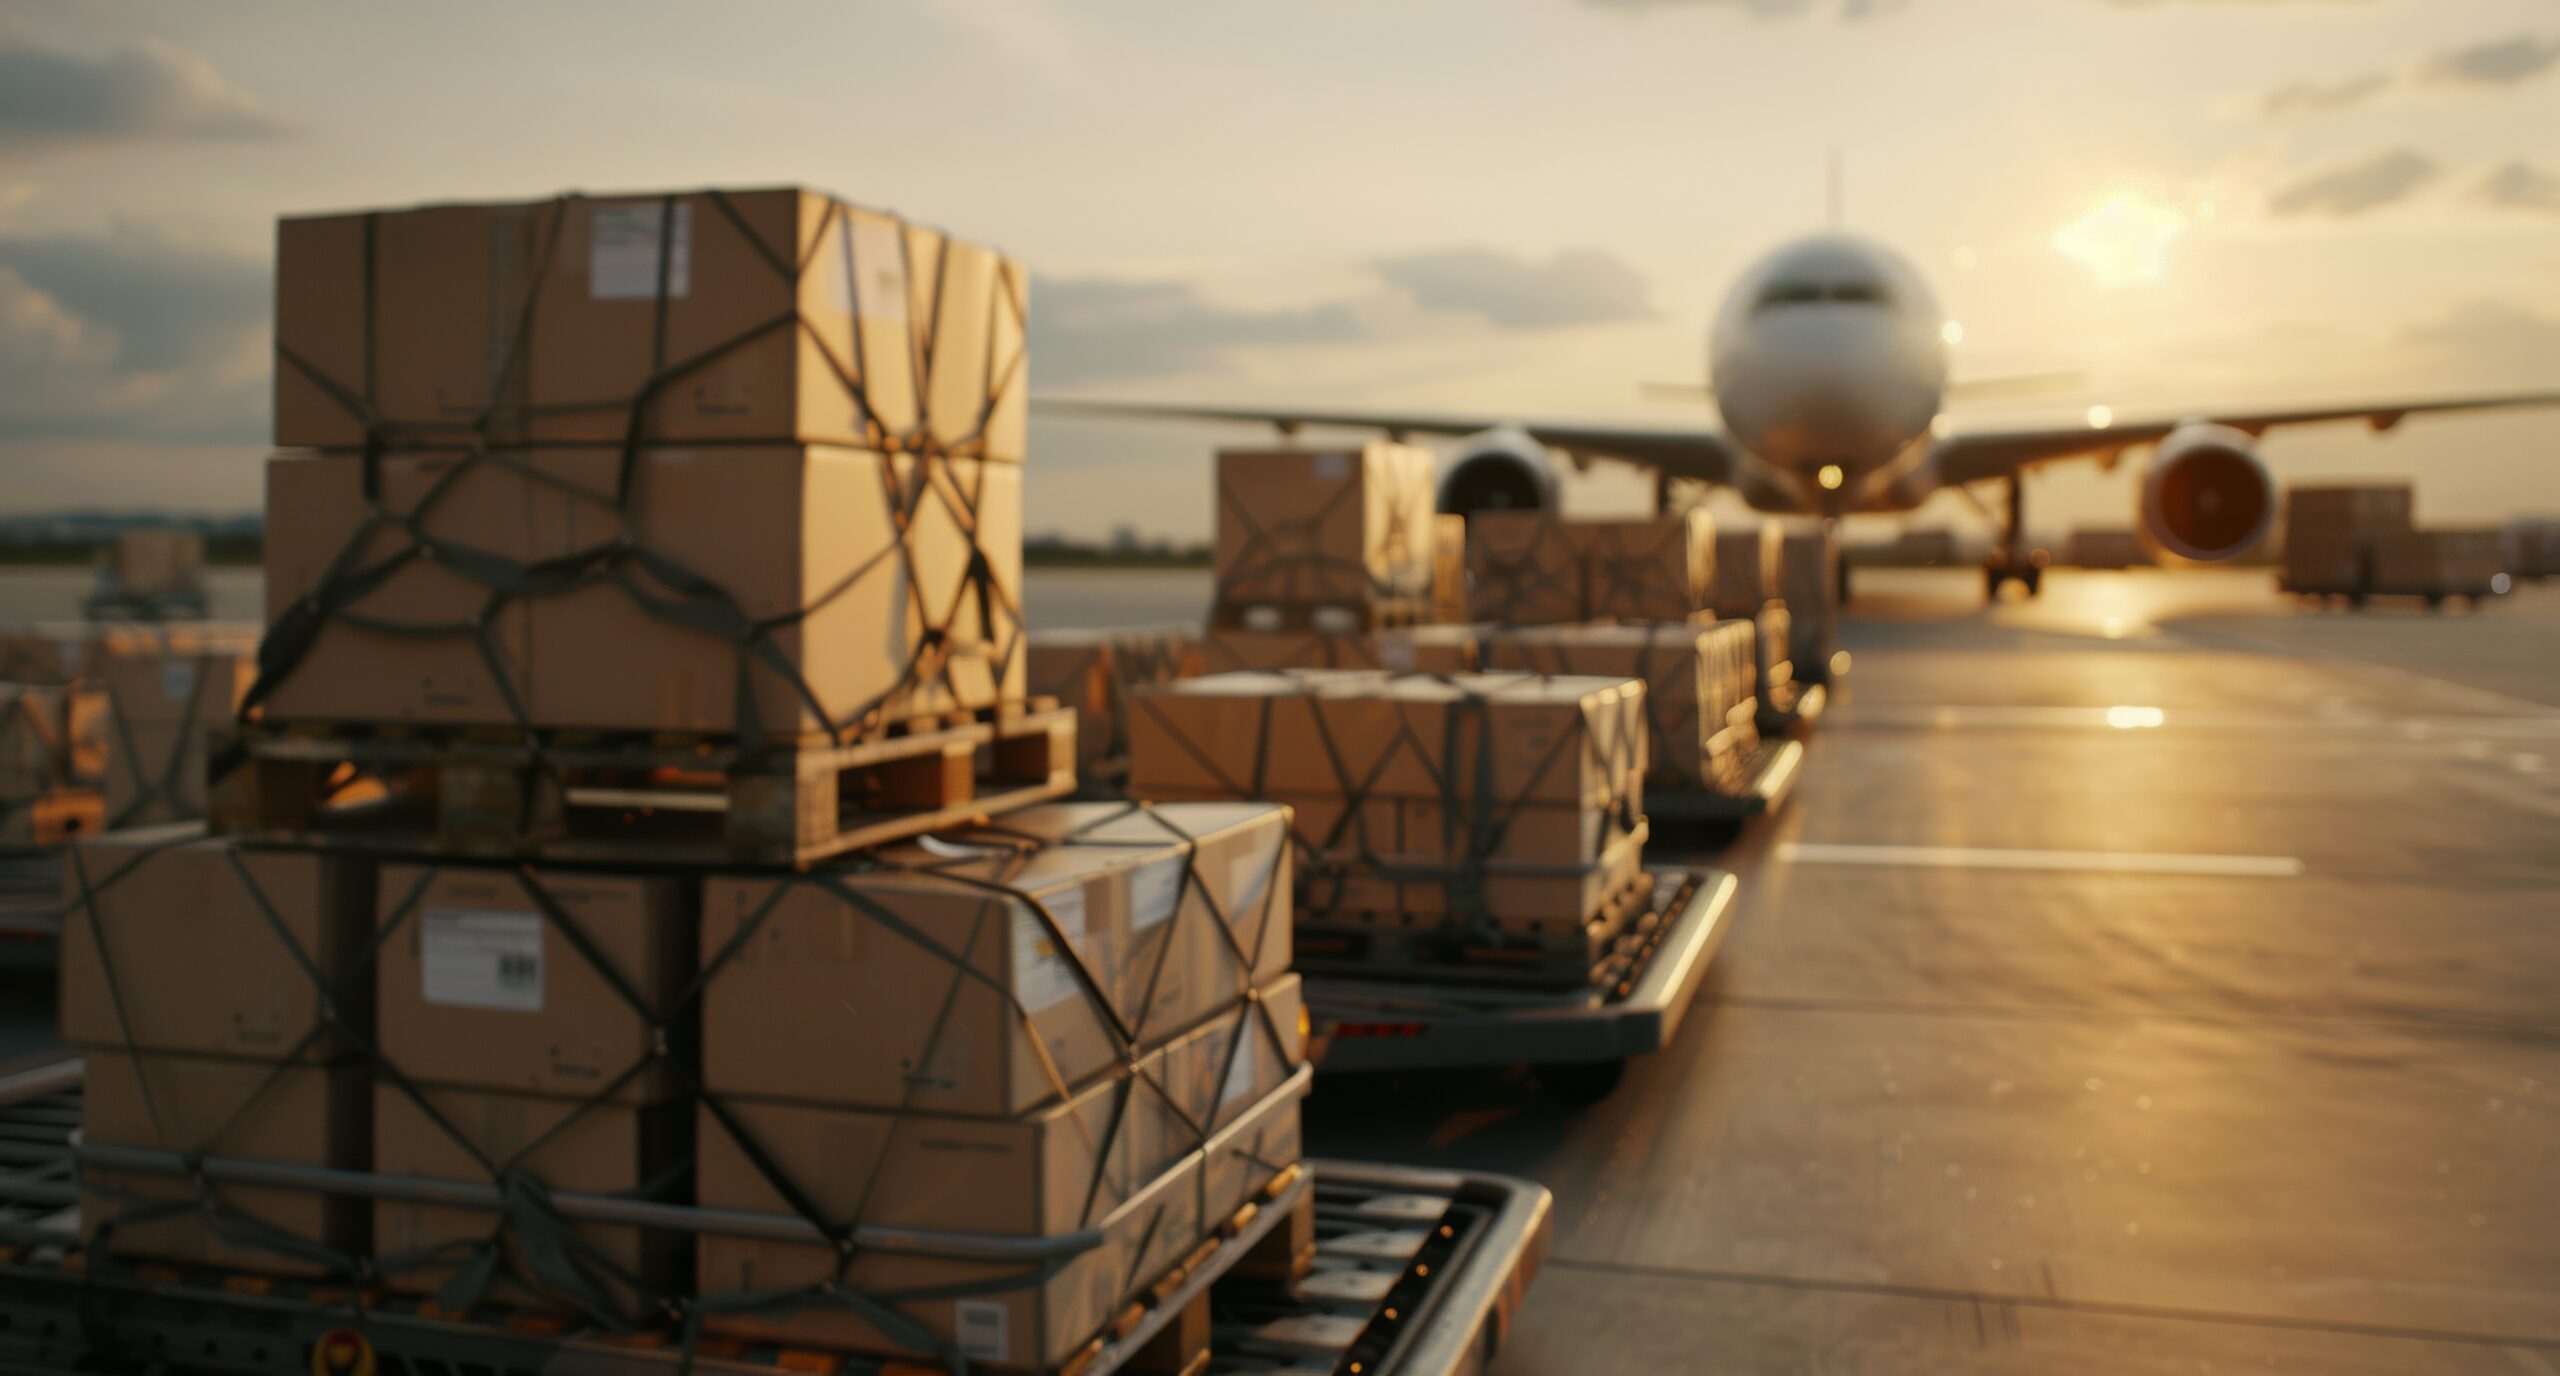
x=673 y=800
x=1764 y=777
x=2469 y=594
x=1339 y=1265
x=1578 y=1040
x=1423 y=946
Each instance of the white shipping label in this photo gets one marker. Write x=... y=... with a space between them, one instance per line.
x=623 y=250
x=178 y=680
x=1333 y=467
x=981 y=1335
x=1043 y=975
x=1155 y=893
x=1245 y=1066
x=475 y=958
x=877 y=278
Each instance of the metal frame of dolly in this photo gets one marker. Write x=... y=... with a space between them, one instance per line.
x=1811 y=699
x=1773 y=776
x=1374 y=1025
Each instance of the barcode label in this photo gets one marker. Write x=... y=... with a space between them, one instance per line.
x=981 y=1325
x=622 y=250
x=476 y=958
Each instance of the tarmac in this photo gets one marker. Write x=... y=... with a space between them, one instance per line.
x=2150 y=978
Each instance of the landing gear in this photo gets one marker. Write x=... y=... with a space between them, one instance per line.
x=2013 y=561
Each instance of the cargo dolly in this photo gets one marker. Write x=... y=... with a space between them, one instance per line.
x=1767 y=774
x=1790 y=706
x=1401 y=1272
x=1578 y=1040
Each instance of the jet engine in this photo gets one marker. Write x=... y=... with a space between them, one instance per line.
x=1497 y=470
x=2206 y=497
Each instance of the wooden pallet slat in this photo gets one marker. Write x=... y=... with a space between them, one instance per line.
x=1398 y=946
x=651 y=799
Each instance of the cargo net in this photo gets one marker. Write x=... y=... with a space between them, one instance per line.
x=1690 y=737
x=156 y=786
x=1530 y=573
x=533 y=1243
x=660 y=586
x=1475 y=818
x=1281 y=560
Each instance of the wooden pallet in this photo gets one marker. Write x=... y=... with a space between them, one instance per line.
x=1393 y=947
x=1331 y=618
x=648 y=800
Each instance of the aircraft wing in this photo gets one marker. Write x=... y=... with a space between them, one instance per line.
x=1698 y=454
x=1973 y=456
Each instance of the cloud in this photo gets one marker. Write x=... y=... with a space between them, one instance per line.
x=2357 y=187
x=142 y=90
x=1576 y=287
x=2306 y=97
x=2489 y=339
x=1083 y=328
x=2521 y=186
x=128 y=334
x=2502 y=62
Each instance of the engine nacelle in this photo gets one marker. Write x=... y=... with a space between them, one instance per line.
x=1498 y=470
x=2206 y=498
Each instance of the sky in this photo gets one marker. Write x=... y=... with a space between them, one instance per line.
x=1517 y=207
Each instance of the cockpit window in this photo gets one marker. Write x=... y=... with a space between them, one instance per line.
x=1778 y=294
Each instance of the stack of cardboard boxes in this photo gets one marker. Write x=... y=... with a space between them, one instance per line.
x=107 y=724
x=1809 y=584
x=1330 y=558
x=1701 y=709
x=1750 y=582
x=740 y=469
x=2330 y=532
x=1536 y=567
x=1464 y=826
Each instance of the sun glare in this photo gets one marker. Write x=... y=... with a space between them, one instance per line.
x=2124 y=242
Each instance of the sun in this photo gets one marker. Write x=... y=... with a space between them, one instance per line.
x=2125 y=241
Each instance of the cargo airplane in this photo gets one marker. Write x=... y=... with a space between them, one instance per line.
x=1828 y=366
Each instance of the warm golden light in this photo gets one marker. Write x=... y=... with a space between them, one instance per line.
x=1830 y=477
x=2135 y=718
x=2101 y=417
x=1951 y=332
x=2124 y=242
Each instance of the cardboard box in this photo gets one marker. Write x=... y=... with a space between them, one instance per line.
x=1043 y=1173
x=1032 y=1322
x=209 y=946
x=2356 y=510
x=1694 y=676
x=1809 y=583
x=155 y=563
x=569 y=1146
x=858 y=564
x=1408 y=649
x=1747 y=567
x=223 y=1106
x=1523 y=568
x=771 y=315
x=1348 y=527
x=1511 y=896
x=1655 y=568
x=861 y=563
x=925 y=978
x=481 y=983
x=1774 y=634
x=2440 y=562
x=336 y=574
x=1537 y=739
x=52 y=817
x=45 y=653
x=165 y=705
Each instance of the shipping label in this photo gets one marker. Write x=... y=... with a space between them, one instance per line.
x=623 y=243
x=1245 y=1067
x=1155 y=892
x=981 y=1330
x=876 y=278
x=478 y=958
x=1044 y=975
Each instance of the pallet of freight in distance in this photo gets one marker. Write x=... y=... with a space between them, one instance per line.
x=51 y=818
x=623 y=799
x=1327 y=618
x=1756 y=783
x=1426 y=946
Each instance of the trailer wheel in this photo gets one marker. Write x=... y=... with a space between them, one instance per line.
x=1580 y=1084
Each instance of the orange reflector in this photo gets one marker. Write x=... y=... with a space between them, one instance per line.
x=816 y=1363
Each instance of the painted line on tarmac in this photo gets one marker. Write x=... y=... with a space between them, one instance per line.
x=1993 y=858
x=2134 y=719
